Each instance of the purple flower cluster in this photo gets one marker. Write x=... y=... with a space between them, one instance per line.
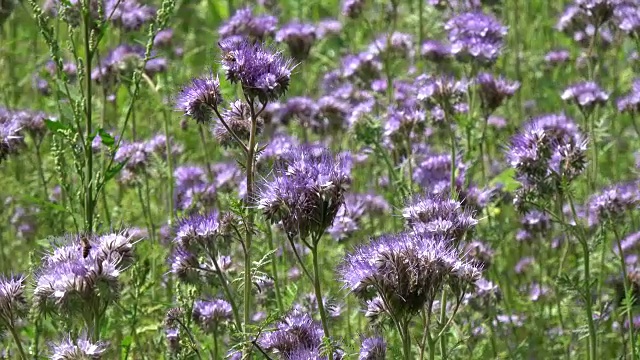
x=121 y=61
x=263 y=74
x=438 y=216
x=299 y=37
x=494 y=91
x=211 y=314
x=13 y=300
x=613 y=202
x=245 y=23
x=548 y=151
x=586 y=95
x=305 y=192
x=129 y=14
x=373 y=348
x=297 y=334
x=138 y=156
x=351 y=214
x=80 y=348
x=476 y=36
x=80 y=274
x=442 y=95
x=406 y=270
x=630 y=102
x=200 y=98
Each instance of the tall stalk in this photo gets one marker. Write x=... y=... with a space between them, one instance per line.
x=88 y=151
x=318 y=291
x=250 y=223
x=627 y=295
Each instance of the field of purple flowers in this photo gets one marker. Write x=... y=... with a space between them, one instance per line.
x=300 y=180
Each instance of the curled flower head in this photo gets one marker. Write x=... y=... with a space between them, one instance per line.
x=198 y=99
x=81 y=348
x=586 y=95
x=407 y=270
x=263 y=74
x=129 y=14
x=306 y=191
x=197 y=229
x=209 y=314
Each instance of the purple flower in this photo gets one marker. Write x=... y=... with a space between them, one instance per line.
x=197 y=229
x=262 y=73
x=238 y=118
x=612 y=202
x=10 y=138
x=183 y=263
x=295 y=332
x=13 y=300
x=557 y=57
x=172 y=335
x=120 y=63
x=129 y=14
x=408 y=270
x=306 y=191
x=586 y=95
x=209 y=314
x=373 y=348
x=598 y=11
x=495 y=90
x=81 y=348
x=364 y=66
x=352 y=8
x=404 y=124
x=435 y=51
x=299 y=37
x=630 y=102
x=442 y=91
x=81 y=274
x=548 y=150
x=476 y=36
x=397 y=43
x=535 y=225
x=524 y=264
x=627 y=17
x=245 y=23
x=437 y=215
x=480 y=252
x=163 y=39
x=328 y=27
x=198 y=99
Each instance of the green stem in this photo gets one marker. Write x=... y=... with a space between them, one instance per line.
x=274 y=269
x=627 y=294
x=316 y=286
x=406 y=340
x=167 y=135
x=16 y=338
x=205 y=152
x=88 y=151
x=250 y=225
x=587 y=291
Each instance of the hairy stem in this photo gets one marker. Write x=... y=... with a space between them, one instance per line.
x=316 y=286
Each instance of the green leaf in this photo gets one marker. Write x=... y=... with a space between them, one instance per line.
x=56 y=126
x=113 y=171
x=107 y=139
x=507 y=179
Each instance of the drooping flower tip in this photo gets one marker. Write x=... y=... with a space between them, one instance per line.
x=198 y=99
